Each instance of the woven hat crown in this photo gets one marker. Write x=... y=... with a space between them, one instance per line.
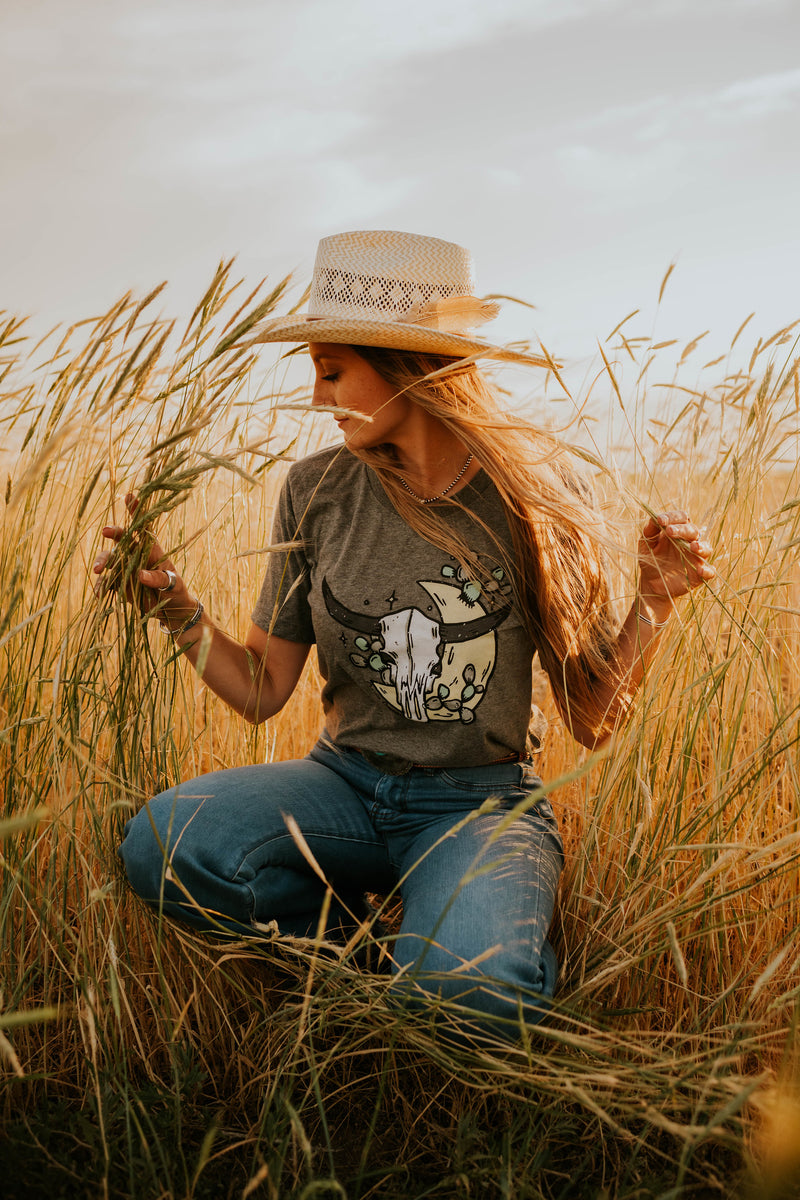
x=401 y=291
x=383 y=275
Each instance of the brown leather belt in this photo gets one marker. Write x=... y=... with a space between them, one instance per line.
x=392 y=764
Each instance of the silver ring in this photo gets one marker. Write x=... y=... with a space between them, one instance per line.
x=171 y=579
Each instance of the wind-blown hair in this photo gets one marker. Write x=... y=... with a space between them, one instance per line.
x=558 y=534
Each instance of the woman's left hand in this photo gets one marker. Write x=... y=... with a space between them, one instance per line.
x=673 y=557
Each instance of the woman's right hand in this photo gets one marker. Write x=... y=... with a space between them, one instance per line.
x=162 y=592
x=256 y=678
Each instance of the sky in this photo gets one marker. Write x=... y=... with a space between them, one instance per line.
x=576 y=147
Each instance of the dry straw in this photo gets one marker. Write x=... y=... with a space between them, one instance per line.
x=189 y=1066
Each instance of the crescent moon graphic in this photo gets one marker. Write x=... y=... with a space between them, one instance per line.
x=446 y=701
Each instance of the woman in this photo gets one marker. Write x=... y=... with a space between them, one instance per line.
x=428 y=558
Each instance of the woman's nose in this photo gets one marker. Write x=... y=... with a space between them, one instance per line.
x=318 y=395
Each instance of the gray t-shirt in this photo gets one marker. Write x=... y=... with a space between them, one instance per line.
x=419 y=662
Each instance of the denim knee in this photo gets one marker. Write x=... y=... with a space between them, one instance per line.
x=496 y=1000
x=144 y=859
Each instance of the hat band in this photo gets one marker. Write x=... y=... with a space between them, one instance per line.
x=337 y=293
x=341 y=294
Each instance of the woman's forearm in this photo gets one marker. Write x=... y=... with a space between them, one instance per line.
x=255 y=680
x=673 y=559
x=632 y=651
x=635 y=645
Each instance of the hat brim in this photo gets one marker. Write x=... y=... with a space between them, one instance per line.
x=390 y=335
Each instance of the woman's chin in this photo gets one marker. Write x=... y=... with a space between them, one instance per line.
x=355 y=439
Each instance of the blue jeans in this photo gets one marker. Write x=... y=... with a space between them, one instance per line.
x=478 y=886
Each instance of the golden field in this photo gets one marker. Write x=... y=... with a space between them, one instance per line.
x=141 y=1060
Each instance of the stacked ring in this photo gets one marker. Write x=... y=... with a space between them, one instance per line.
x=171 y=579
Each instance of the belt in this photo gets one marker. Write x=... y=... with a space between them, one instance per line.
x=392 y=764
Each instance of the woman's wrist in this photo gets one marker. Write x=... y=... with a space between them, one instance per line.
x=175 y=626
x=654 y=611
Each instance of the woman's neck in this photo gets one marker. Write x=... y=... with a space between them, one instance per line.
x=431 y=459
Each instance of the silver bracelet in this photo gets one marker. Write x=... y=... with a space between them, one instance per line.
x=640 y=616
x=192 y=620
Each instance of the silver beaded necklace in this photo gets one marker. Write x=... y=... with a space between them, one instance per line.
x=439 y=495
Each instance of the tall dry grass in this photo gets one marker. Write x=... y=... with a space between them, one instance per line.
x=141 y=1060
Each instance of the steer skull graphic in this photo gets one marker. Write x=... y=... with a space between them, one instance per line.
x=408 y=648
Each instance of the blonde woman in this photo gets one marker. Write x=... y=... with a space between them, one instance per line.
x=429 y=558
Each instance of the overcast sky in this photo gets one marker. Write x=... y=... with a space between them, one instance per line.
x=577 y=147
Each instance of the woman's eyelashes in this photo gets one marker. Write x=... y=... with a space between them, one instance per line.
x=331 y=378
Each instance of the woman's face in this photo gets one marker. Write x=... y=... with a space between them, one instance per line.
x=345 y=380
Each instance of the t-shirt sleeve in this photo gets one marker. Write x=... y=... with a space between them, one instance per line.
x=284 y=592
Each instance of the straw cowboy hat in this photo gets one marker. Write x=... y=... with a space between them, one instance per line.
x=398 y=290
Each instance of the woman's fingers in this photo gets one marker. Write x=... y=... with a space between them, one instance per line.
x=98 y=566
x=157 y=574
x=164 y=593
x=671 y=524
x=161 y=579
x=700 y=546
x=113 y=531
x=155 y=554
x=676 y=527
x=701 y=552
x=674 y=554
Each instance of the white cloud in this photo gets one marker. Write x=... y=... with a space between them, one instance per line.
x=650 y=11
x=660 y=115
x=623 y=176
x=505 y=177
x=254 y=141
x=148 y=138
x=763 y=96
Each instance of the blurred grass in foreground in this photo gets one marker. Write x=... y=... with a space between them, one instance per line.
x=140 y=1060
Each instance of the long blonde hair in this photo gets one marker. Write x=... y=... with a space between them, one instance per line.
x=559 y=537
